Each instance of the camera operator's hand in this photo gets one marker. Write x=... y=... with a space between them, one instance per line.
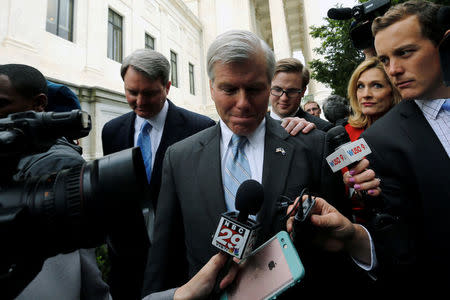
x=201 y=285
x=336 y=232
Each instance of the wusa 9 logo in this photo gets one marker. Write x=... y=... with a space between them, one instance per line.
x=347 y=154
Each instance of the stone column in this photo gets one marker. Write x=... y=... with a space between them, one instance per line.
x=280 y=36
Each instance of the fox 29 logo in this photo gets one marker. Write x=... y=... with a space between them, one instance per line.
x=230 y=237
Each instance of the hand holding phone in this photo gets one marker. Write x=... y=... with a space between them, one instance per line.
x=268 y=271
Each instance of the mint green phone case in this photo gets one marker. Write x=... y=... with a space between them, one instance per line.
x=295 y=266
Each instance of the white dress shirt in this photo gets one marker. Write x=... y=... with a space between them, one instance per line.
x=254 y=149
x=438 y=118
x=157 y=123
x=277 y=117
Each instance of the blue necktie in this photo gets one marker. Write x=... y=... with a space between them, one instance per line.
x=145 y=143
x=237 y=169
x=446 y=105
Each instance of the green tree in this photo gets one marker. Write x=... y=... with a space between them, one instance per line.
x=338 y=55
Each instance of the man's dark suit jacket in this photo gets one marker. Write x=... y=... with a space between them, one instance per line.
x=413 y=252
x=192 y=199
x=118 y=134
x=320 y=123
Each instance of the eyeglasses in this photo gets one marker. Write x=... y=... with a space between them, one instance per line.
x=278 y=92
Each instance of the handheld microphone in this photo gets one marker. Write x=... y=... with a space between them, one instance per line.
x=340 y=13
x=346 y=153
x=236 y=233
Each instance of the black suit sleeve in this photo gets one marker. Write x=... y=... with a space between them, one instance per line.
x=167 y=264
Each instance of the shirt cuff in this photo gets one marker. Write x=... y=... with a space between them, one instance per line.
x=373 y=256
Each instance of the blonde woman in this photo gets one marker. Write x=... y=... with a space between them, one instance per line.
x=371 y=95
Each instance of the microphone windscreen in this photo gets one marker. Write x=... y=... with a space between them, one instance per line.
x=340 y=13
x=336 y=137
x=249 y=197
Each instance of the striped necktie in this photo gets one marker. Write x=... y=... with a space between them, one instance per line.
x=446 y=105
x=145 y=143
x=237 y=169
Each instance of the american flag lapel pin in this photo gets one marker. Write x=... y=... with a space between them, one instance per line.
x=280 y=150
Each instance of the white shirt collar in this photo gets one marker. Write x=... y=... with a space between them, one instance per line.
x=255 y=138
x=277 y=117
x=157 y=121
x=430 y=108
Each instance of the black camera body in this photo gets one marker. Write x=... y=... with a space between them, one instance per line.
x=363 y=14
x=78 y=207
x=30 y=132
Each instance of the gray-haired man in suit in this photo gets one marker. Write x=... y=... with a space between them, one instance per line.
x=240 y=68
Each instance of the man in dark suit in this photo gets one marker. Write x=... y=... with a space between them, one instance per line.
x=145 y=74
x=192 y=197
x=412 y=159
x=410 y=153
x=288 y=87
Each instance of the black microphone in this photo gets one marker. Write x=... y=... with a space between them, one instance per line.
x=346 y=153
x=249 y=199
x=236 y=233
x=340 y=13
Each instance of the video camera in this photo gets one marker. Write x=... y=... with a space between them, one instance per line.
x=364 y=14
x=78 y=207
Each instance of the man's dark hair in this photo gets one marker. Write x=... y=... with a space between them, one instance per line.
x=426 y=11
x=335 y=108
x=26 y=80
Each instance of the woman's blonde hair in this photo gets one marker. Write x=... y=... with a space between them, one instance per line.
x=357 y=118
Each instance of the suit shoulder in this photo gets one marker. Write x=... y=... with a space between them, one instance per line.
x=390 y=121
x=313 y=135
x=200 y=137
x=196 y=117
x=320 y=123
x=119 y=119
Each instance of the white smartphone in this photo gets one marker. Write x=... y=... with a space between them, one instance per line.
x=270 y=270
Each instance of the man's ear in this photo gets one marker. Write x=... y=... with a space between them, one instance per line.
x=168 y=85
x=302 y=93
x=40 y=102
x=211 y=89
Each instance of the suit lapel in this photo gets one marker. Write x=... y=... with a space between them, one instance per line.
x=170 y=135
x=171 y=130
x=424 y=140
x=127 y=130
x=430 y=166
x=209 y=173
x=278 y=154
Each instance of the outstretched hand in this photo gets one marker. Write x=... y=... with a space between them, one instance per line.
x=335 y=231
x=202 y=284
